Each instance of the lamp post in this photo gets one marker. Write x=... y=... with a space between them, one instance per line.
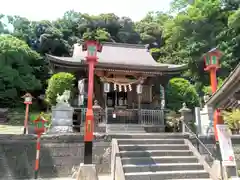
x=39 y=130
x=106 y=90
x=92 y=47
x=139 y=93
x=212 y=64
x=27 y=101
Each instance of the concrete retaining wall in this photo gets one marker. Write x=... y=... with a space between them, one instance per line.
x=59 y=154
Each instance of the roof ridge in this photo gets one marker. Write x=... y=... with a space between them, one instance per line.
x=125 y=45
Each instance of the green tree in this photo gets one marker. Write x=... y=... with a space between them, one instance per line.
x=181 y=91
x=19 y=66
x=197 y=28
x=208 y=90
x=57 y=84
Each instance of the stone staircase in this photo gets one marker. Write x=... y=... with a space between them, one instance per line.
x=124 y=128
x=159 y=157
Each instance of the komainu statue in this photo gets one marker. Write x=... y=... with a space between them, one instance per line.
x=64 y=98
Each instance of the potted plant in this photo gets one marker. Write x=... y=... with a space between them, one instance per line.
x=232 y=119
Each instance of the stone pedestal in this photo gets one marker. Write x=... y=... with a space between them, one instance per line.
x=206 y=116
x=62 y=118
x=87 y=172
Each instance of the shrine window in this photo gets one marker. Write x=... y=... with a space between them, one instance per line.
x=121 y=98
x=115 y=98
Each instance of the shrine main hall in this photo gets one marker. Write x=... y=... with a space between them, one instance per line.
x=129 y=85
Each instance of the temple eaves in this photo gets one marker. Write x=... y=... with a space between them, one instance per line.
x=117 y=55
x=224 y=96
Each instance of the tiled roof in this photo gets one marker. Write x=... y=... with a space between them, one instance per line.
x=118 y=54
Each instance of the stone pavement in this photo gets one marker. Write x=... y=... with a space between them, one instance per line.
x=101 y=177
x=7 y=129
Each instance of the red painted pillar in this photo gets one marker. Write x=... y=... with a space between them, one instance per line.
x=217 y=116
x=92 y=47
x=89 y=124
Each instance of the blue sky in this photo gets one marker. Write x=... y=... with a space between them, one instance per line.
x=52 y=9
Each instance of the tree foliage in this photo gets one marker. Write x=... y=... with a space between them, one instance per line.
x=57 y=84
x=19 y=67
x=180 y=91
x=183 y=35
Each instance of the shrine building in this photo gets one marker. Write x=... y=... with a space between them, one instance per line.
x=129 y=85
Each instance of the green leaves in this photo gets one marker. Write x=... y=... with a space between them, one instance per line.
x=57 y=84
x=17 y=72
x=232 y=119
x=180 y=91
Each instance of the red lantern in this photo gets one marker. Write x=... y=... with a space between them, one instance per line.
x=92 y=47
x=40 y=125
x=211 y=59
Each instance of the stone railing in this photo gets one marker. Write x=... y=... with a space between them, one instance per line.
x=117 y=172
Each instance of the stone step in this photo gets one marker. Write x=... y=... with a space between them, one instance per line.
x=193 y=179
x=159 y=159
x=132 y=132
x=148 y=153
x=159 y=175
x=124 y=125
x=162 y=167
x=150 y=141
x=125 y=130
x=127 y=135
x=142 y=147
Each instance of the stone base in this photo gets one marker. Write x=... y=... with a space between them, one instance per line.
x=87 y=172
x=154 y=129
x=228 y=172
x=216 y=168
x=60 y=129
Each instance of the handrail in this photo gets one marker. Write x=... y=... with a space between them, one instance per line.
x=196 y=136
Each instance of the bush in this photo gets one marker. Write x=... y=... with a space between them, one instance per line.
x=57 y=84
x=178 y=91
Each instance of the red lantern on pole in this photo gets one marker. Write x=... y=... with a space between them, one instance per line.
x=92 y=47
x=40 y=124
x=39 y=130
x=27 y=100
x=211 y=59
x=212 y=64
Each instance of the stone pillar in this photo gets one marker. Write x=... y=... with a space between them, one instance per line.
x=62 y=118
x=186 y=117
x=206 y=116
x=198 y=122
x=162 y=96
x=98 y=115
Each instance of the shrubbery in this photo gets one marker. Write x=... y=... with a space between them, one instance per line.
x=178 y=91
x=57 y=84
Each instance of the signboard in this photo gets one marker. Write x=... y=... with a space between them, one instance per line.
x=225 y=142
